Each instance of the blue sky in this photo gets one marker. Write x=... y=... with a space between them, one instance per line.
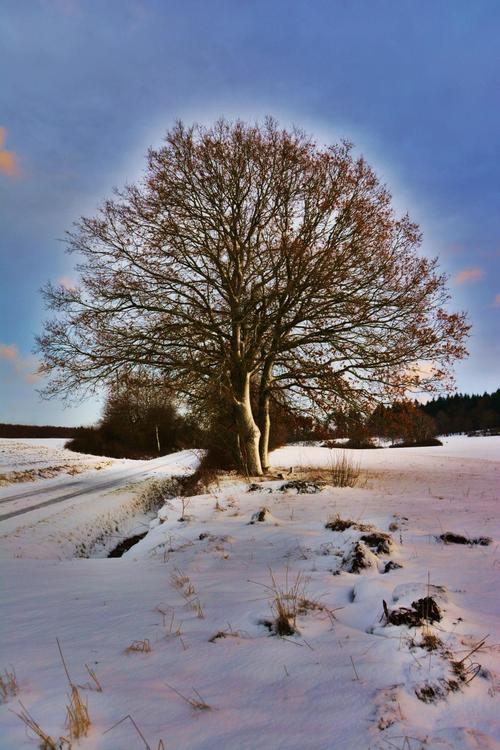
x=88 y=85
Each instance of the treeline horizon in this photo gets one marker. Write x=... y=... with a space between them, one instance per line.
x=8 y=430
x=462 y=412
x=452 y=414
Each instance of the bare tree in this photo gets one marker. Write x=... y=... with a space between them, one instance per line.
x=250 y=258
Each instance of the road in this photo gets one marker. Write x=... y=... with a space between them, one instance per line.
x=92 y=483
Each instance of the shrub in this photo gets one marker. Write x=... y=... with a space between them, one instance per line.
x=343 y=471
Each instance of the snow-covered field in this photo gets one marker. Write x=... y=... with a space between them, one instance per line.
x=196 y=596
x=28 y=460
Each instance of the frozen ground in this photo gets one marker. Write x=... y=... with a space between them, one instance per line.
x=344 y=681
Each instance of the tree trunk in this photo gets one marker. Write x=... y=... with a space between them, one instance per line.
x=248 y=432
x=264 y=417
x=264 y=420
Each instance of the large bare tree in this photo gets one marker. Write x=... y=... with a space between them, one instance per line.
x=250 y=259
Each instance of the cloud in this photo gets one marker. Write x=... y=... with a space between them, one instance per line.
x=8 y=159
x=496 y=302
x=67 y=282
x=468 y=275
x=24 y=367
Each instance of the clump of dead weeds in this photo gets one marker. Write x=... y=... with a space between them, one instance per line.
x=391 y=565
x=431 y=642
x=255 y=487
x=379 y=541
x=451 y=538
x=8 y=685
x=422 y=611
x=336 y=523
x=303 y=486
x=359 y=558
x=260 y=516
x=287 y=602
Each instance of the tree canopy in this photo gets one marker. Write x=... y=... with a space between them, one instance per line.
x=251 y=262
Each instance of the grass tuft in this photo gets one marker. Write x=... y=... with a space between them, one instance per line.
x=77 y=715
x=161 y=745
x=8 y=685
x=46 y=742
x=197 y=702
x=143 y=647
x=343 y=471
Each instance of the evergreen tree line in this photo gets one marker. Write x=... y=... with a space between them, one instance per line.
x=412 y=423
x=465 y=413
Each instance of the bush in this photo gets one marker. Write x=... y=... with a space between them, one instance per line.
x=343 y=471
x=139 y=421
x=418 y=443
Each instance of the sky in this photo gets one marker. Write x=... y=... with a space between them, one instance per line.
x=88 y=86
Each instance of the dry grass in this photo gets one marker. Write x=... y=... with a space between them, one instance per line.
x=343 y=470
x=143 y=647
x=172 y=628
x=95 y=684
x=284 y=602
x=184 y=585
x=228 y=633
x=157 y=492
x=181 y=581
x=8 y=685
x=197 y=702
x=77 y=715
x=290 y=600
x=336 y=523
x=160 y=746
x=46 y=742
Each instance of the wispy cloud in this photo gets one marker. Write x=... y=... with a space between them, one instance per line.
x=468 y=275
x=24 y=367
x=496 y=302
x=9 y=162
x=67 y=282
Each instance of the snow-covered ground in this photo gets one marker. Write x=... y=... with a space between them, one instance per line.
x=69 y=516
x=198 y=593
x=28 y=460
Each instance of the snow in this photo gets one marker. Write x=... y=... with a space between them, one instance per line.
x=347 y=683
x=29 y=460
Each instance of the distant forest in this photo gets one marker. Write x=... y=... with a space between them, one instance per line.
x=463 y=413
x=37 y=431
x=451 y=414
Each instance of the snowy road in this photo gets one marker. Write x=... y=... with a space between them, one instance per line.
x=90 y=484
